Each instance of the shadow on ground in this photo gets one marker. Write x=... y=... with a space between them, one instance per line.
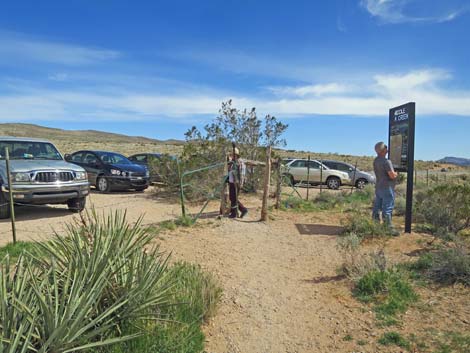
x=318 y=229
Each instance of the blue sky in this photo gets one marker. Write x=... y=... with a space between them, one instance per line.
x=330 y=69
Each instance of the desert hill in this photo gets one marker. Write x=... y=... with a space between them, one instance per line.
x=72 y=140
x=463 y=162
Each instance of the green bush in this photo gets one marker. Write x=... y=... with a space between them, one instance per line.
x=355 y=264
x=394 y=338
x=194 y=298
x=400 y=206
x=329 y=200
x=445 y=208
x=298 y=204
x=182 y=221
x=365 y=227
x=389 y=290
x=454 y=342
x=447 y=265
x=15 y=250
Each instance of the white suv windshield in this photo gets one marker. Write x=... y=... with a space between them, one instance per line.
x=29 y=150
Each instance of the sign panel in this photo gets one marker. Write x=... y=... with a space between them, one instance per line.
x=401 y=136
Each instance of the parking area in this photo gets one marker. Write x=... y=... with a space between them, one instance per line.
x=39 y=222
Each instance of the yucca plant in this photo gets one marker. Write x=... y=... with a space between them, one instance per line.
x=79 y=290
x=17 y=307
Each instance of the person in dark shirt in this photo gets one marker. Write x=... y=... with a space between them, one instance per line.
x=236 y=178
x=384 y=187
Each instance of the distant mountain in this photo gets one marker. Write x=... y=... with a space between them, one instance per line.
x=463 y=162
x=32 y=130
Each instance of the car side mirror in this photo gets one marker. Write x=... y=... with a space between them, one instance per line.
x=351 y=169
x=68 y=157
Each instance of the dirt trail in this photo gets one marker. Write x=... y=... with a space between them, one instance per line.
x=279 y=286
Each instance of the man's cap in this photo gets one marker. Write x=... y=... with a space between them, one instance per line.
x=236 y=151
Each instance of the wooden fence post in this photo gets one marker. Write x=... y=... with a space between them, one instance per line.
x=10 y=193
x=308 y=176
x=278 y=184
x=267 y=177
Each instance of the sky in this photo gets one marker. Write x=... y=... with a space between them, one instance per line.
x=331 y=69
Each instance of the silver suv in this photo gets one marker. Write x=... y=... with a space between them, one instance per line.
x=297 y=170
x=358 y=177
x=40 y=176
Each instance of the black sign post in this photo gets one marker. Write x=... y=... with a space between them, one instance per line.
x=401 y=142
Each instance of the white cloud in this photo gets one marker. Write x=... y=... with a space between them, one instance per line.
x=61 y=76
x=372 y=98
x=311 y=90
x=396 y=11
x=19 y=48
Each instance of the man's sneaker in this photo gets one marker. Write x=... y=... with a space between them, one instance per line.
x=394 y=232
x=232 y=216
x=244 y=213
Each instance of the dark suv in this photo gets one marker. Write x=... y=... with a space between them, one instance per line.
x=111 y=171
x=146 y=160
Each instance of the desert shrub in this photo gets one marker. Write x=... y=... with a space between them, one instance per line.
x=447 y=265
x=167 y=168
x=394 y=338
x=194 y=297
x=453 y=342
x=356 y=264
x=445 y=208
x=389 y=290
x=327 y=200
x=199 y=287
x=401 y=178
x=182 y=221
x=365 y=227
x=298 y=204
x=365 y=195
x=400 y=206
x=15 y=250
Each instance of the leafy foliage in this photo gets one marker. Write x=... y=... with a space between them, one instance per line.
x=365 y=227
x=394 y=338
x=356 y=264
x=389 y=290
x=447 y=265
x=213 y=144
x=445 y=208
x=195 y=295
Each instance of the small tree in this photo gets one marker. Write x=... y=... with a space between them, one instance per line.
x=243 y=127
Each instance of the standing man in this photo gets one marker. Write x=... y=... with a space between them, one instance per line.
x=236 y=177
x=384 y=187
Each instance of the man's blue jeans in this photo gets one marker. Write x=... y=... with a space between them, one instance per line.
x=384 y=201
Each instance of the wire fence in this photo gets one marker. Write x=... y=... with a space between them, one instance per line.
x=203 y=185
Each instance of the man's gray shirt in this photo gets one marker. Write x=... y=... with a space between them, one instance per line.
x=381 y=168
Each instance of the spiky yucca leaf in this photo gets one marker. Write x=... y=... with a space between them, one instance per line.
x=77 y=291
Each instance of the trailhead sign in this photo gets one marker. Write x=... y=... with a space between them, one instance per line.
x=401 y=136
x=401 y=147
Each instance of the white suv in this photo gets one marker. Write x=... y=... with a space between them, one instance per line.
x=297 y=171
